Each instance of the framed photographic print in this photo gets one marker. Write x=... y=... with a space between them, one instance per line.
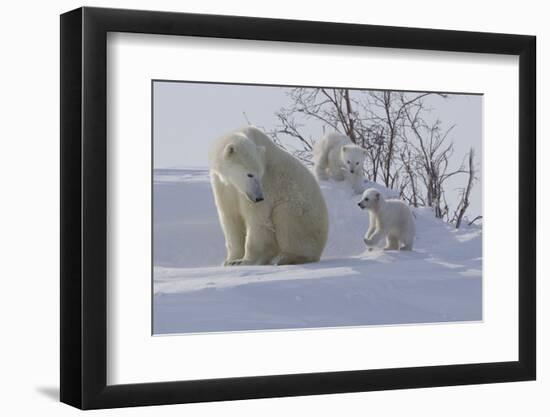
x=256 y=207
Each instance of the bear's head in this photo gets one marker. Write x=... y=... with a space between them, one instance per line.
x=243 y=166
x=353 y=157
x=370 y=200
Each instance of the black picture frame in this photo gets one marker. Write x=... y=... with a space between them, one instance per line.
x=84 y=207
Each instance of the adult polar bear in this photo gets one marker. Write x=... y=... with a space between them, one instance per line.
x=270 y=207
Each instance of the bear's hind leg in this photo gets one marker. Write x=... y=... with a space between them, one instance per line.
x=321 y=173
x=407 y=240
x=260 y=248
x=408 y=245
x=291 y=259
x=300 y=239
x=320 y=161
x=392 y=243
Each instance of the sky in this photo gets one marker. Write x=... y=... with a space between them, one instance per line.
x=189 y=117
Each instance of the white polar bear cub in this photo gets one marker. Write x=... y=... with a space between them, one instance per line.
x=390 y=219
x=270 y=207
x=337 y=158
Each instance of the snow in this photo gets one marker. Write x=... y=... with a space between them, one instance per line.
x=439 y=281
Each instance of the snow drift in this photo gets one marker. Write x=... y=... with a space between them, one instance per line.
x=439 y=281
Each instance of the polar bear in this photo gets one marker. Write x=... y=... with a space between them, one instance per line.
x=390 y=219
x=337 y=158
x=270 y=206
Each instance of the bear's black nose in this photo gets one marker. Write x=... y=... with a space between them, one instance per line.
x=359 y=204
x=258 y=199
x=351 y=171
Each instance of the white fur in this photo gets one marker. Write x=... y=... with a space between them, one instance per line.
x=270 y=207
x=337 y=158
x=390 y=219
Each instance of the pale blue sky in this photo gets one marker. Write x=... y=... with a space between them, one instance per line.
x=189 y=117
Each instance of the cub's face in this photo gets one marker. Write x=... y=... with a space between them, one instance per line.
x=370 y=200
x=353 y=157
x=243 y=167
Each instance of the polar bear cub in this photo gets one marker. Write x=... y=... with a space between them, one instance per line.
x=390 y=219
x=270 y=206
x=337 y=158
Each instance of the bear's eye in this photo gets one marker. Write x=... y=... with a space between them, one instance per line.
x=349 y=162
x=250 y=175
x=366 y=199
x=357 y=163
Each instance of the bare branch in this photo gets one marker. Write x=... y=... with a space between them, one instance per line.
x=465 y=198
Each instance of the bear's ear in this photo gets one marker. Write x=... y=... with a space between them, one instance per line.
x=228 y=151
x=377 y=196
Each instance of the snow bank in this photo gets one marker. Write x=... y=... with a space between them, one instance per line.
x=439 y=281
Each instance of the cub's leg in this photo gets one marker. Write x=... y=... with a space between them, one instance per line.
x=372 y=227
x=321 y=163
x=407 y=244
x=392 y=243
x=321 y=173
x=408 y=238
x=376 y=237
x=335 y=169
x=320 y=160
